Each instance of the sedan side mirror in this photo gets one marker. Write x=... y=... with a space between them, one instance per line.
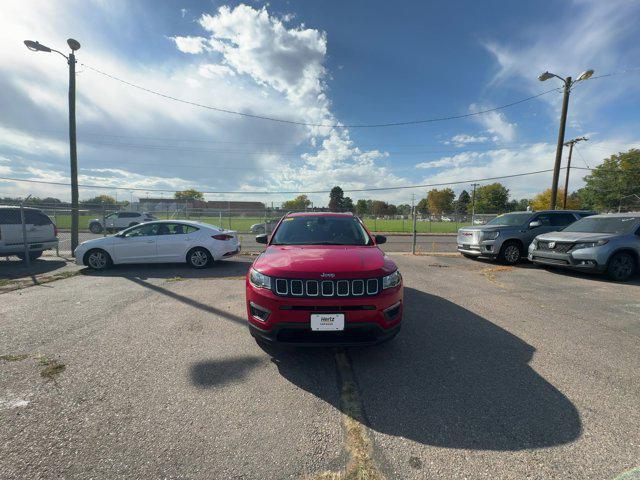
x=264 y=238
x=535 y=224
x=380 y=239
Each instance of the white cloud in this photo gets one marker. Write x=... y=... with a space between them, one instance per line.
x=458 y=160
x=189 y=44
x=214 y=70
x=496 y=124
x=463 y=139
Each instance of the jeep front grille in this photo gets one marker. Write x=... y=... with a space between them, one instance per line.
x=287 y=287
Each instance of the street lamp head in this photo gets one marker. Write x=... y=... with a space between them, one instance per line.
x=73 y=44
x=585 y=75
x=36 y=47
x=545 y=76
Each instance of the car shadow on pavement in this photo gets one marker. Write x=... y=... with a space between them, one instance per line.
x=450 y=379
x=220 y=269
x=12 y=269
x=596 y=277
x=216 y=373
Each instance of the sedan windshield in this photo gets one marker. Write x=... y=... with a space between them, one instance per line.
x=616 y=225
x=510 y=219
x=321 y=230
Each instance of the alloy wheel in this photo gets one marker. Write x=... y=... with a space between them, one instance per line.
x=199 y=258
x=621 y=266
x=512 y=253
x=97 y=260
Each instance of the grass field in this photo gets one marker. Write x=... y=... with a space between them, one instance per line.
x=242 y=224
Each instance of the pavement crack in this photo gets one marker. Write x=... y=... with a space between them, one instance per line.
x=361 y=465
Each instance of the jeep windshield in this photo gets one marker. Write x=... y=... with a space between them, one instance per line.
x=510 y=219
x=615 y=225
x=321 y=230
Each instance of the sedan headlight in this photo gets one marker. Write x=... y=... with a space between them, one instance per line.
x=259 y=280
x=392 y=280
x=490 y=235
x=578 y=246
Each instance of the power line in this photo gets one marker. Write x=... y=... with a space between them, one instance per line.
x=370 y=189
x=294 y=122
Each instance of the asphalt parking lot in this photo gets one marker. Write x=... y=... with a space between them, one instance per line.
x=149 y=372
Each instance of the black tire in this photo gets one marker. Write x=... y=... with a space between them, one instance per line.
x=97 y=259
x=199 y=258
x=32 y=255
x=621 y=267
x=95 y=228
x=510 y=253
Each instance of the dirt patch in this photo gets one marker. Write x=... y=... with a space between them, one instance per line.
x=10 y=285
x=13 y=358
x=51 y=368
x=491 y=274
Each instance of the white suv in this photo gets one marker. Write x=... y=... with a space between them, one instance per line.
x=119 y=221
x=41 y=232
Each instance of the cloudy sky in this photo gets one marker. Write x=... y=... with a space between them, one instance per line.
x=321 y=63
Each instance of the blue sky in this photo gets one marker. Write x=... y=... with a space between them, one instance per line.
x=313 y=62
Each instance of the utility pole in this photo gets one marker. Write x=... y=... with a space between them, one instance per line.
x=473 y=201
x=570 y=143
x=73 y=153
x=568 y=83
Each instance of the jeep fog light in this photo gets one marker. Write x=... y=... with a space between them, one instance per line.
x=258 y=312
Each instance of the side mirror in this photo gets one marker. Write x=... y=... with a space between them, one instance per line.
x=380 y=239
x=535 y=224
x=264 y=238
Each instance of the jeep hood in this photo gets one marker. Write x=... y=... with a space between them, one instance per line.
x=311 y=261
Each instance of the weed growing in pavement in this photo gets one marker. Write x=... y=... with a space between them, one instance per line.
x=51 y=367
x=13 y=358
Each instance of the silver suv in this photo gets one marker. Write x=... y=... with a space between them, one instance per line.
x=40 y=231
x=602 y=243
x=507 y=237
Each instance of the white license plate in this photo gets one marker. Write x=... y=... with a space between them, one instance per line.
x=327 y=321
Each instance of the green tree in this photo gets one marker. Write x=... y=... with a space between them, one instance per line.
x=404 y=209
x=440 y=201
x=423 y=206
x=301 y=202
x=347 y=205
x=463 y=202
x=616 y=177
x=362 y=207
x=190 y=194
x=492 y=198
x=336 y=197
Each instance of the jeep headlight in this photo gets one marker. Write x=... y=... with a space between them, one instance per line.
x=392 y=280
x=490 y=235
x=259 y=280
x=578 y=246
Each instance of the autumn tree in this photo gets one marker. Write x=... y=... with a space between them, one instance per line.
x=440 y=201
x=542 y=201
x=301 y=202
x=190 y=194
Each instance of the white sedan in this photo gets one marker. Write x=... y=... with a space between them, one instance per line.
x=164 y=241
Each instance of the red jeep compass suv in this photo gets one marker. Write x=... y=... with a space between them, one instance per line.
x=323 y=280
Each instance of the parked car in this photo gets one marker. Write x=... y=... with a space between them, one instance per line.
x=323 y=280
x=41 y=232
x=507 y=237
x=118 y=221
x=260 y=227
x=601 y=243
x=163 y=241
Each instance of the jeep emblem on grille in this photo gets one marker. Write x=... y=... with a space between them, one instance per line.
x=552 y=244
x=328 y=275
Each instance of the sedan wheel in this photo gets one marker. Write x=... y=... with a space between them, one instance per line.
x=95 y=228
x=97 y=260
x=199 y=258
x=621 y=267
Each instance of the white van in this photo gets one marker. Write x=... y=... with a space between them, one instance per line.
x=41 y=232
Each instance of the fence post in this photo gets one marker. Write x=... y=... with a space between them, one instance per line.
x=104 y=221
x=413 y=245
x=55 y=222
x=26 y=260
x=229 y=213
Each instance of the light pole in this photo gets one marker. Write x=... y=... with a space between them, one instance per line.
x=73 y=153
x=568 y=83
